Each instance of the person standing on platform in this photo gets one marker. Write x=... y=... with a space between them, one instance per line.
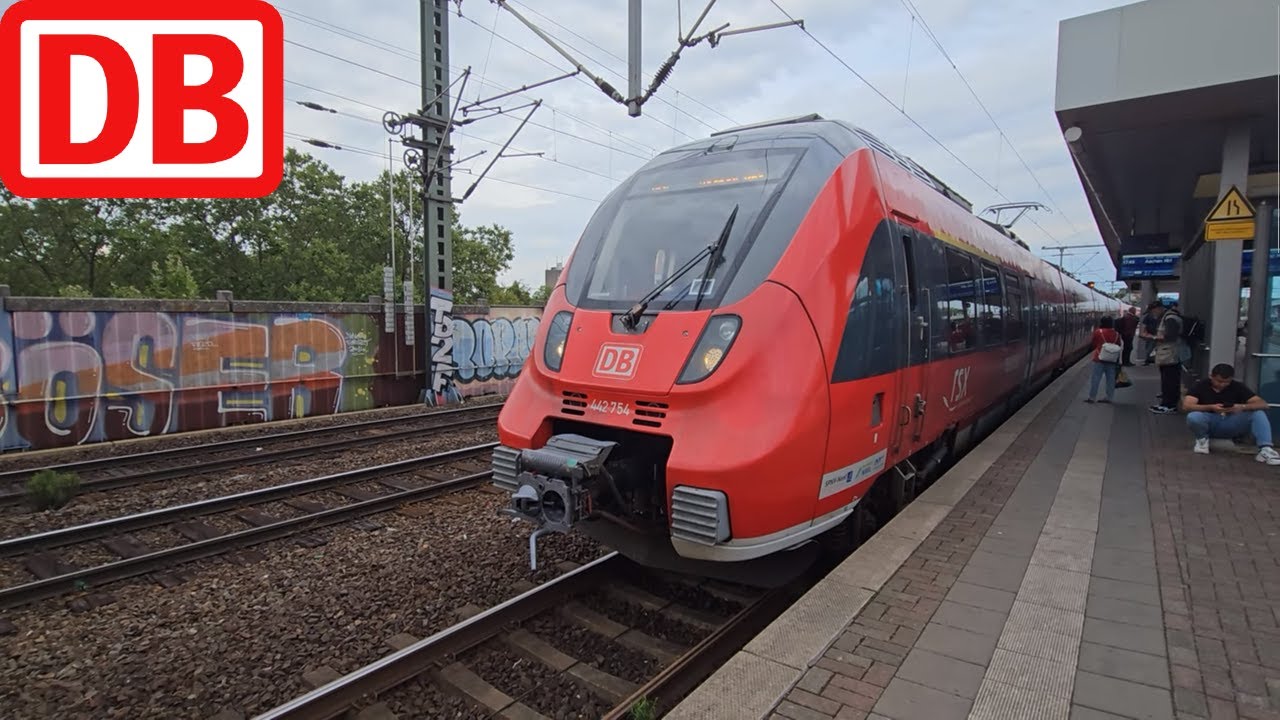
x=1107 y=349
x=1127 y=326
x=1221 y=407
x=1168 y=356
x=1149 y=325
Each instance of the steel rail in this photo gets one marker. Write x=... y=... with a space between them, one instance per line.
x=335 y=698
x=131 y=567
x=102 y=528
x=15 y=496
x=680 y=677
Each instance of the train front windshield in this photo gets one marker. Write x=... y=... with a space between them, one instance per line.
x=665 y=214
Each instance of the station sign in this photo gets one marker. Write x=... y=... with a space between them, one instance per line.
x=1232 y=218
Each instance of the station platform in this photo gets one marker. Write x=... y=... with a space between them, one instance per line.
x=1081 y=563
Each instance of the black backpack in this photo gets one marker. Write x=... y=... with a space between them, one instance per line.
x=1192 y=330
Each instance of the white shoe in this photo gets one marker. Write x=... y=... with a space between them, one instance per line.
x=1202 y=446
x=1269 y=456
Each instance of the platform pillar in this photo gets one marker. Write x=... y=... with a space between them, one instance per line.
x=1225 y=314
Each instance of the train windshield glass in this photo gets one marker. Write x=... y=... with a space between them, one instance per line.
x=664 y=215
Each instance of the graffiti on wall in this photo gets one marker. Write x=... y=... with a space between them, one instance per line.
x=77 y=377
x=490 y=351
x=477 y=354
x=74 y=377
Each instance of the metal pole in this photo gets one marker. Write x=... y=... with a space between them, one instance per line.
x=634 y=58
x=437 y=197
x=1259 y=291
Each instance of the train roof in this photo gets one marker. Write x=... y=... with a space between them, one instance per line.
x=846 y=138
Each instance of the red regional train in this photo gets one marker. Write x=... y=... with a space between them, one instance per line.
x=777 y=334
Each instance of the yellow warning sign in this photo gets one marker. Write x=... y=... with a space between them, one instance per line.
x=1229 y=230
x=1231 y=219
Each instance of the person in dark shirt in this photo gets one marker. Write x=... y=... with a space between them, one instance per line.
x=1127 y=325
x=1221 y=407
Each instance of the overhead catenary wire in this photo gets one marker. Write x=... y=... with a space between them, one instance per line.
x=619 y=58
x=413 y=55
x=330 y=145
x=904 y=113
x=549 y=128
x=918 y=17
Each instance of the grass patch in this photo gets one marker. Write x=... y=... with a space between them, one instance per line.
x=644 y=709
x=50 y=489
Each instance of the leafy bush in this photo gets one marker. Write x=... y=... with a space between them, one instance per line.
x=51 y=489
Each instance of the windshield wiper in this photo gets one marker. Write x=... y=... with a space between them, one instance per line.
x=632 y=316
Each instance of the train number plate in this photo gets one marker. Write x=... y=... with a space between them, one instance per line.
x=610 y=407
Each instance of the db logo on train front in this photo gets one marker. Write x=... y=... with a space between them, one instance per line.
x=141 y=98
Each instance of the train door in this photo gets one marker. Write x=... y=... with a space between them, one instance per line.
x=1030 y=318
x=917 y=312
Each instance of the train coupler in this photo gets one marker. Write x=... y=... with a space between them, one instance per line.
x=554 y=483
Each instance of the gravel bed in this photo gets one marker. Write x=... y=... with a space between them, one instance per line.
x=590 y=648
x=12 y=573
x=20 y=460
x=420 y=698
x=535 y=685
x=644 y=620
x=20 y=520
x=84 y=556
x=240 y=637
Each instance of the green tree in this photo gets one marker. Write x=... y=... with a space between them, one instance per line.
x=318 y=237
x=480 y=254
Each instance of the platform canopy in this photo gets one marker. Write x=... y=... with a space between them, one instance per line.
x=1147 y=94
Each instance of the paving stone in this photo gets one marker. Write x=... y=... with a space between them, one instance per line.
x=1028 y=616
x=1041 y=643
x=1124 y=664
x=799 y=637
x=1124 y=611
x=998 y=701
x=1080 y=712
x=905 y=700
x=1031 y=673
x=754 y=683
x=942 y=673
x=967 y=617
x=1055 y=587
x=1125 y=590
x=960 y=644
x=984 y=597
x=1013 y=547
x=1008 y=577
x=1122 y=697
x=1121 y=635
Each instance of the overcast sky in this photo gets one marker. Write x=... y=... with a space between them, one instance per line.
x=1005 y=49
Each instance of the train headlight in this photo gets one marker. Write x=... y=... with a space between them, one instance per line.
x=716 y=339
x=557 y=339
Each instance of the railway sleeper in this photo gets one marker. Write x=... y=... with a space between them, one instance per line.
x=461 y=681
x=588 y=677
x=588 y=619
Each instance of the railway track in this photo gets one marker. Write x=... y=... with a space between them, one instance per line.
x=584 y=641
x=147 y=467
x=370 y=490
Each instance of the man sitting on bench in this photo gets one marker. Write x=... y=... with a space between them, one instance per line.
x=1221 y=407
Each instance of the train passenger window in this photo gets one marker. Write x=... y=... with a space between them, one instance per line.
x=962 y=298
x=1013 y=324
x=933 y=275
x=992 y=303
x=872 y=342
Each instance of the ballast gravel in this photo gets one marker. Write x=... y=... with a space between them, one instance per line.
x=240 y=637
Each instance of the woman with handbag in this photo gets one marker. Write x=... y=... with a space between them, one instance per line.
x=1107 y=349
